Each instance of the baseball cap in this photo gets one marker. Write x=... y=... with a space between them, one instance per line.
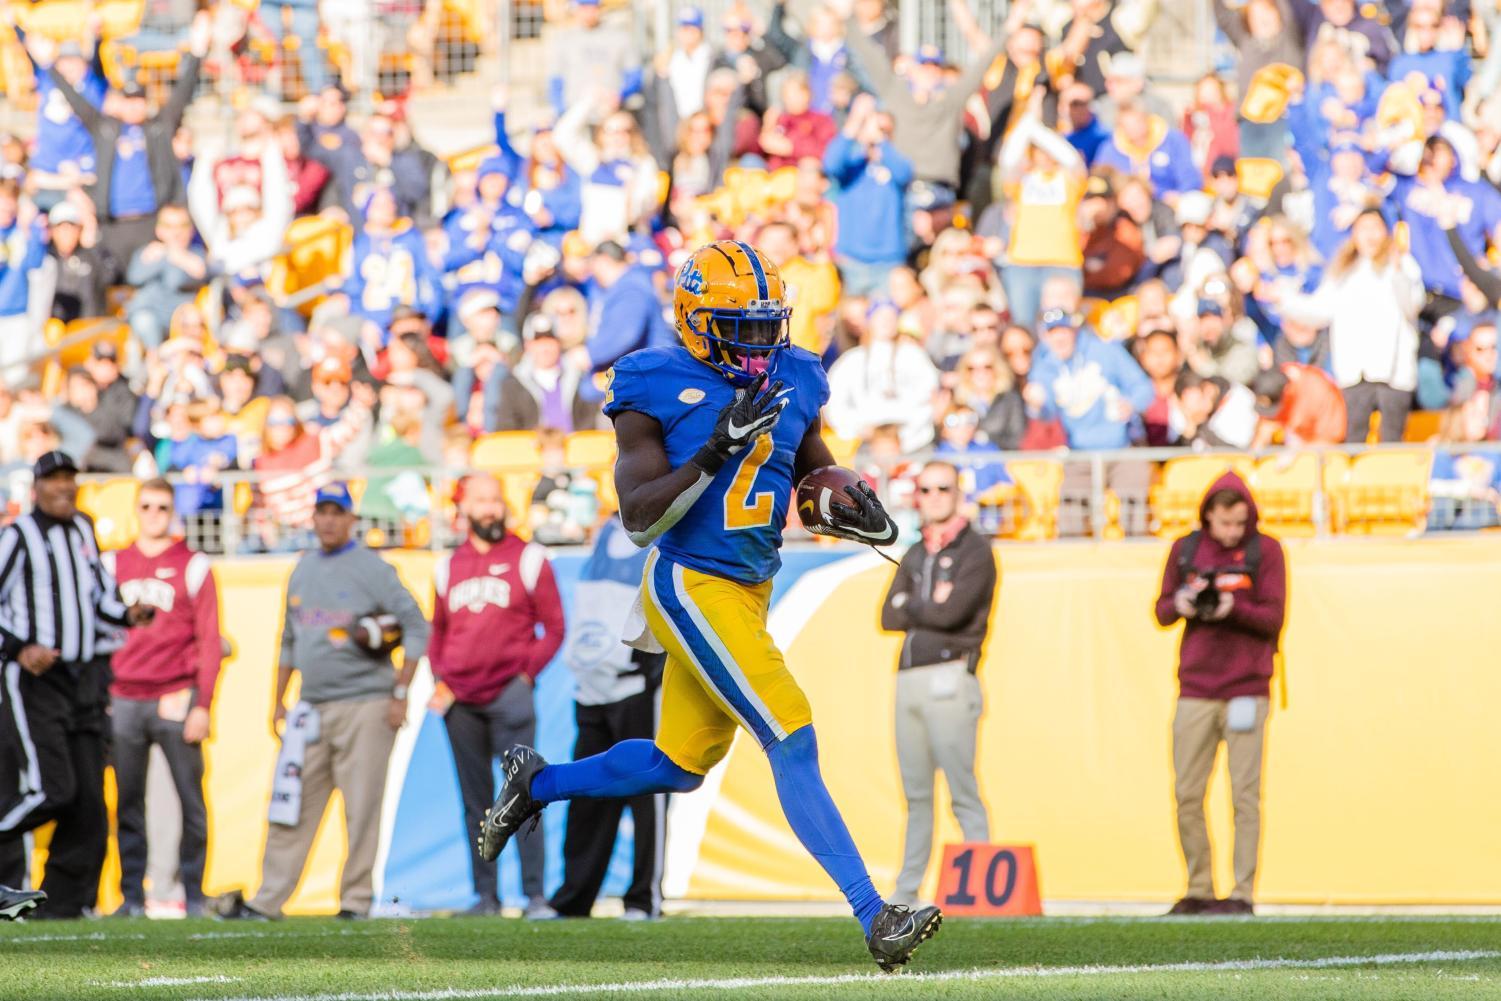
x=1054 y=319
x=475 y=302
x=1208 y=307
x=586 y=3
x=65 y=213
x=1270 y=384
x=929 y=55
x=70 y=50
x=690 y=17
x=494 y=165
x=133 y=89
x=926 y=196
x=1127 y=65
x=53 y=462
x=1098 y=187
x=1222 y=166
x=106 y=349
x=334 y=493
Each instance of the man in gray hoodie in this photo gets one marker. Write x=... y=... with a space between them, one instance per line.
x=346 y=611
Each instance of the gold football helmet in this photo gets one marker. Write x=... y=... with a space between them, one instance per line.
x=730 y=309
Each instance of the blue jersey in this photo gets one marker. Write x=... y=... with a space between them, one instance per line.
x=734 y=529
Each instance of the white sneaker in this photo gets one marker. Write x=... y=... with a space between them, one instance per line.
x=636 y=914
x=539 y=910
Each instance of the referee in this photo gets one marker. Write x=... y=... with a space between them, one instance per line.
x=54 y=593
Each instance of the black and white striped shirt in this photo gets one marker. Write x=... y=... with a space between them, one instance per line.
x=54 y=590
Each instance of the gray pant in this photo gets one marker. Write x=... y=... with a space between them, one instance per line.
x=1366 y=398
x=937 y=715
x=137 y=725
x=478 y=734
x=351 y=754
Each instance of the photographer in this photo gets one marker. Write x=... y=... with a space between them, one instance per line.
x=1228 y=582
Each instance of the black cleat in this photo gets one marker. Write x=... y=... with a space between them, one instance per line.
x=514 y=806
x=897 y=932
x=14 y=903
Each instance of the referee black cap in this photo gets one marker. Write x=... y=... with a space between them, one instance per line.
x=53 y=462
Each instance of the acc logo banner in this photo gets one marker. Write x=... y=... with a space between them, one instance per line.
x=691 y=280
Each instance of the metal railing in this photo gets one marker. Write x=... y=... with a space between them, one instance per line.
x=1050 y=496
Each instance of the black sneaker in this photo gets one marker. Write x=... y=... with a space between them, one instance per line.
x=14 y=903
x=514 y=806
x=232 y=907
x=897 y=932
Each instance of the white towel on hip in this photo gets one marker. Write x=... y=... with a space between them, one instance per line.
x=286 y=786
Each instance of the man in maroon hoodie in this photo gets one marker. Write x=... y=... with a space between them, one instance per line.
x=1228 y=582
x=491 y=594
x=163 y=686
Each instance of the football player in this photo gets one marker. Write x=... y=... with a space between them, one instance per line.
x=712 y=435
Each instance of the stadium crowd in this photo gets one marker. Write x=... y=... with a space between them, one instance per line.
x=1029 y=251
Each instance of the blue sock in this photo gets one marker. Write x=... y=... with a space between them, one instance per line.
x=630 y=768
x=816 y=821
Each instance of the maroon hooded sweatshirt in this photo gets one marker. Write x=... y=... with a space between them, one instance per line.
x=1232 y=657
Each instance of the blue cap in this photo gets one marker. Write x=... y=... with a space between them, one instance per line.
x=929 y=55
x=498 y=164
x=586 y=3
x=334 y=493
x=1055 y=318
x=1345 y=146
x=691 y=17
x=1208 y=307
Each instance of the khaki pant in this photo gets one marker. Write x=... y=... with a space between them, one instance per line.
x=1198 y=728
x=351 y=754
x=937 y=714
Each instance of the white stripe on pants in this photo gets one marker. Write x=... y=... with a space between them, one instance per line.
x=937 y=715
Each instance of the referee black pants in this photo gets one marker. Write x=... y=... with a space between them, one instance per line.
x=594 y=823
x=52 y=752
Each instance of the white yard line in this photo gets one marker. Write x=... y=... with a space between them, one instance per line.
x=167 y=981
x=866 y=980
x=99 y=936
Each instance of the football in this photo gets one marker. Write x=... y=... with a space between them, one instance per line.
x=819 y=489
x=379 y=634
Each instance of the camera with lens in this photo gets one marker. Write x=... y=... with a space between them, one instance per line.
x=1207 y=601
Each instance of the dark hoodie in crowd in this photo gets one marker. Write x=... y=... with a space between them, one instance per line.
x=1232 y=657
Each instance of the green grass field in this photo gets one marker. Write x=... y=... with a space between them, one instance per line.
x=751 y=958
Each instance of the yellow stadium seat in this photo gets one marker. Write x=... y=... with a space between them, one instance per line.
x=589 y=450
x=64 y=19
x=1041 y=484
x=98 y=328
x=1422 y=425
x=112 y=505
x=1176 y=497
x=1386 y=492
x=506 y=451
x=518 y=488
x=1284 y=486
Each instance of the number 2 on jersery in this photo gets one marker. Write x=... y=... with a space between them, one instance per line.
x=741 y=510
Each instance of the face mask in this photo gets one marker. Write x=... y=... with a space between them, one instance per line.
x=491 y=530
